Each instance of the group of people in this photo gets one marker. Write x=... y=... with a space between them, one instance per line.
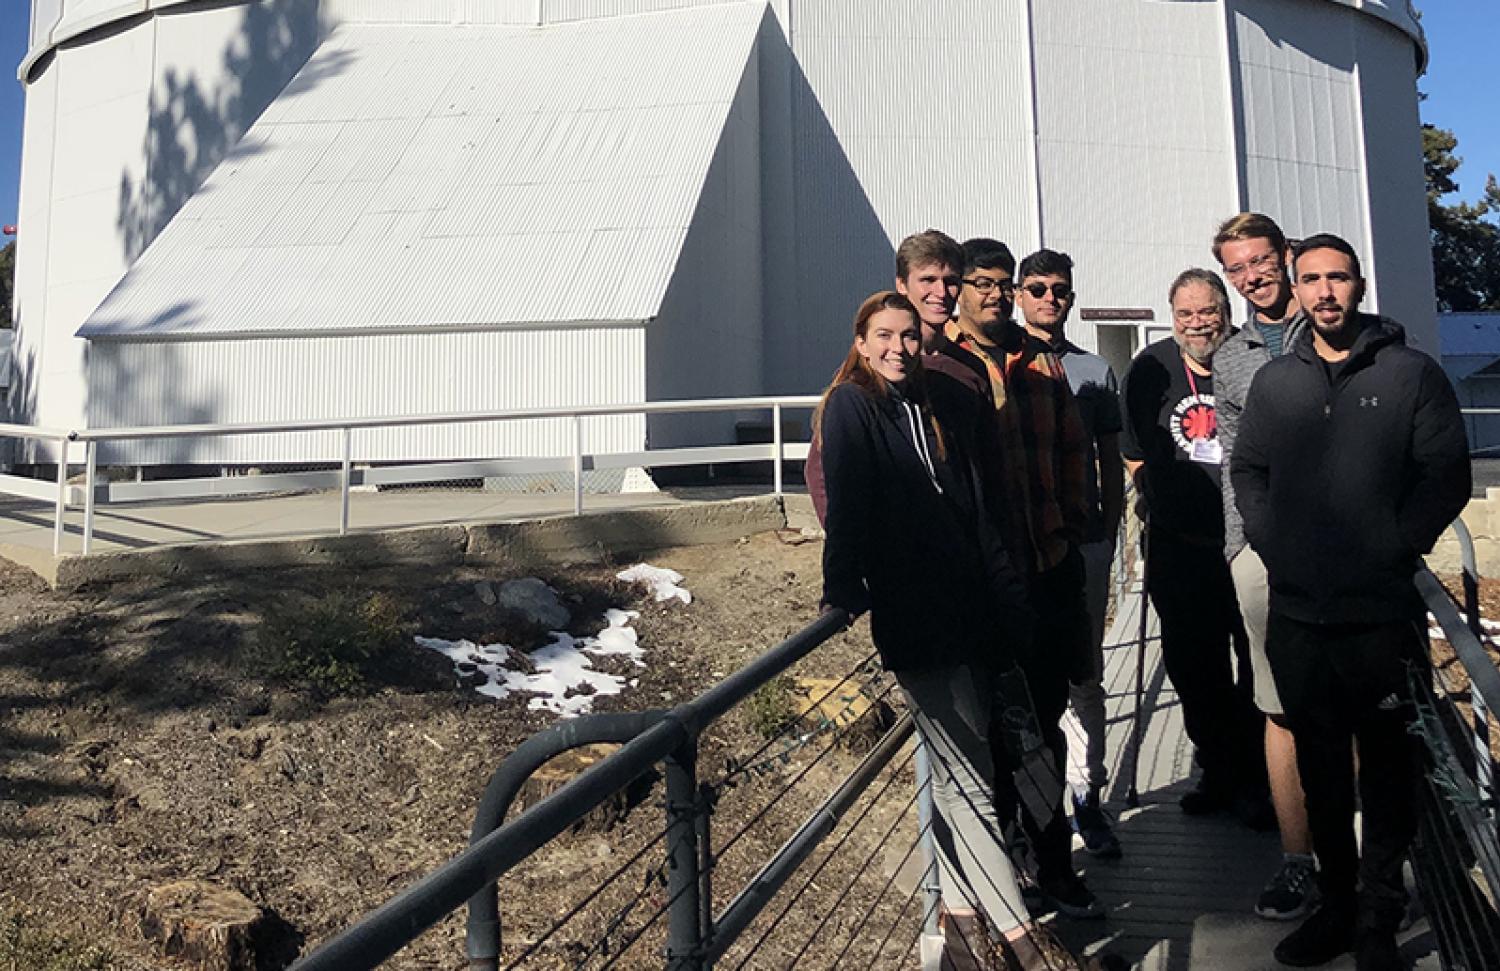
x=970 y=470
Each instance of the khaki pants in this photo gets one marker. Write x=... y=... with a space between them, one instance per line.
x=1254 y=594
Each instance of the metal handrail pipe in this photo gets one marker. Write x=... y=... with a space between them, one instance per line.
x=1484 y=678
x=441 y=418
x=1467 y=556
x=34 y=432
x=482 y=935
x=398 y=922
x=393 y=925
x=756 y=894
x=1474 y=826
x=717 y=700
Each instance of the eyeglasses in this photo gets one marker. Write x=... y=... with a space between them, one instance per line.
x=1209 y=316
x=984 y=284
x=1263 y=262
x=1039 y=290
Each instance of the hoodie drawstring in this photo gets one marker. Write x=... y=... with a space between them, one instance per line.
x=919 y=437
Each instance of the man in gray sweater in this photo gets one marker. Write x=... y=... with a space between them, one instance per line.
x=1253 y=253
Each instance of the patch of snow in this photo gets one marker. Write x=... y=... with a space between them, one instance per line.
x=562 y=666
x=1485 y=624
x=618 y=637
x=486 y=659
x=663 y=582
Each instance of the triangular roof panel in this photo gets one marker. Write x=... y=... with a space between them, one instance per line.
x=416 y=177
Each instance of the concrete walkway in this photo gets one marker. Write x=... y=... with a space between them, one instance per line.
x=1182 y=896
x=411 y=524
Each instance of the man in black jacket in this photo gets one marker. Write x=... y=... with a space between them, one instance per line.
x=1350 y=463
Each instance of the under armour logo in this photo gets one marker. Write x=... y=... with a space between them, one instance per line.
x=1369 y=402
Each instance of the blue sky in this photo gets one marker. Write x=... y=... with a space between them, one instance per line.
x=1460 y=85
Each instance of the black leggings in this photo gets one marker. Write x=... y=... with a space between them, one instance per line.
x=1202 y=642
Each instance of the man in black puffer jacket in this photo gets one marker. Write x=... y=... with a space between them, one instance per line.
x=1350 y=463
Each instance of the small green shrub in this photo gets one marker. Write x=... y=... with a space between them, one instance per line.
x=771 y=708
x=332 y=644
x=24 y=947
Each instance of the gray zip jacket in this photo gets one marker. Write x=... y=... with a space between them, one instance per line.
x=1235 y=364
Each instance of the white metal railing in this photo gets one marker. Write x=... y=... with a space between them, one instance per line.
x=34 y=489
x=347 y=476
x=1484 y=450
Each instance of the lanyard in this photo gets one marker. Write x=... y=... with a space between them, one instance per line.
x=1192 y=381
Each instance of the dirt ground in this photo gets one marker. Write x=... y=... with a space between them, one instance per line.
x=142 y=742
x=1453 y=677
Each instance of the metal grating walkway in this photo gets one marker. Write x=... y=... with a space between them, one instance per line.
x=1182 y=896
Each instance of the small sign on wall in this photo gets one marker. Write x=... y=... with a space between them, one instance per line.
x=1116 y=313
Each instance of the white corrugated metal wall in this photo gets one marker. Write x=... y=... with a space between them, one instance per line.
x=512 y=12
x=1331 y=142
x=1400 y=266
x=1136 y=164
x=903 y=117
x=889 y=118
x=1302 y=146
x=119 y=129
x=141 y=383
x=708 y=338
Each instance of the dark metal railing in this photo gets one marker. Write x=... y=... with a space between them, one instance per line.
x=1457 y=853
x=670 y=738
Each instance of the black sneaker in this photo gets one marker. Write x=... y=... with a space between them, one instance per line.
x=1205 y=800
x=1376 y=950
x=1070 y=896
x=1092 y=823
x=1291 y=891
x=1325 y=935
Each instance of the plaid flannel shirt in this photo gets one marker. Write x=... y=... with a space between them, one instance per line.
x=1045 y=450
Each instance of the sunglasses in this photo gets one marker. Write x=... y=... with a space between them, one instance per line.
x=1039 y=290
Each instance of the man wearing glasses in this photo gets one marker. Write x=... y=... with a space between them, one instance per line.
x=1044 y=512
x=1253 y=252
x=1045 y=297
x=1172 y=450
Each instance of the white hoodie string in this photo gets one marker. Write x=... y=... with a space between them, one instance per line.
x=919 y=436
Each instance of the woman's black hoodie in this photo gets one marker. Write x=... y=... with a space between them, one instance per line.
x=1345 y=474
x=905 y=539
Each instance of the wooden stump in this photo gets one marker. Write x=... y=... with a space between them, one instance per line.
x=823 y=704
x=209 y=926
x=561 y=770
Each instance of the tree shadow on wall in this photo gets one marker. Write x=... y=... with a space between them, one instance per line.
x=194 y=122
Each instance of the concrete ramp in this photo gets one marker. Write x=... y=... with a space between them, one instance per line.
x=1182 y=897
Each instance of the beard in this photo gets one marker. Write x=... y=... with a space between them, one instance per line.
x=998 y=331
x=1201 y=352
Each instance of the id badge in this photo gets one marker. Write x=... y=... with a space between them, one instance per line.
x=1207 y=451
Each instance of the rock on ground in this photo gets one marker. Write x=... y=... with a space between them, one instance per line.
x=536 y=601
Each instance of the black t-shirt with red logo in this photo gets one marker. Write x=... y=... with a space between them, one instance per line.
x=1170 y=425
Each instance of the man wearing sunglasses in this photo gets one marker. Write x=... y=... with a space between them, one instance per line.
x=1044 y=298
x=1253 y=253
x=1043 y=515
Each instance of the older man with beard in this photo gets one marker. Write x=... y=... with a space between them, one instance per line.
x=1172 y=451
